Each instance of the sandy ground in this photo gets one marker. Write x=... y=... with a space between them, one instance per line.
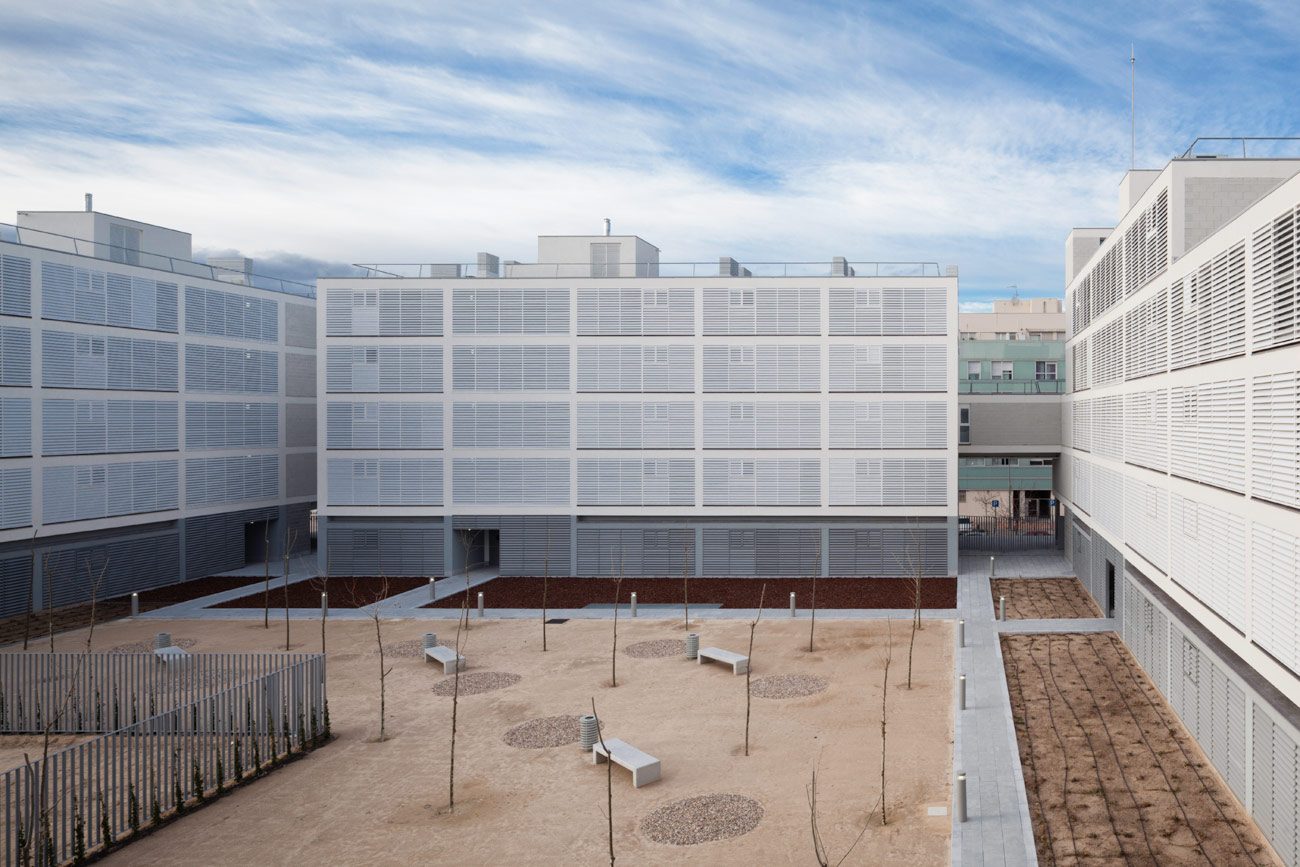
x=358 y=801
x=1044 y=598
x=1080 y=702
x=12 y=748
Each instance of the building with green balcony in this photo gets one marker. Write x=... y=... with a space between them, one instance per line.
x=1011 y=376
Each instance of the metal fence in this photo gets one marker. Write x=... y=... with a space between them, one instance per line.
x=1000 y=533
x=165 y=737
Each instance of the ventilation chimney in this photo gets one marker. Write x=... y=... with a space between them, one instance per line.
x=89 y=203
x=608 y=225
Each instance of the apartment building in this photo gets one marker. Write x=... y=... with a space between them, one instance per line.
x=601 y=411
x=157 y=416
x=1011 y=375
x=1180 y=473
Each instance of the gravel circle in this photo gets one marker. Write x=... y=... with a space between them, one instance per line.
x=147 y=645
x=702 y=819
x=546 y=731
x=656 y=649
x=474 y=682
x=413 y=649
x=788 y=685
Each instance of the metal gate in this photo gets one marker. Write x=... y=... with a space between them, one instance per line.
x=988 y=533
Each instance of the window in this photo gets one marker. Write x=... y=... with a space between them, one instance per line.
x=964 y=429
x=1045 y=370
x=961 y=496
x=973 y=370
x=1003 y=370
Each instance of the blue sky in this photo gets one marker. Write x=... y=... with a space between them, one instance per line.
x=309 y=135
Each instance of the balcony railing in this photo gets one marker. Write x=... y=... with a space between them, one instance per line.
x=1011 y=386
x=625 y=270
x=47 y=240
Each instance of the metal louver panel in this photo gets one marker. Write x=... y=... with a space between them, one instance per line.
x=383 y=425
x=636 y=425
x=385 y=481
x=635 y=551
x=383 y=369
x=510 y=368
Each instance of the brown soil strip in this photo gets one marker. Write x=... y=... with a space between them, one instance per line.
x=1110 y=774
x=343 y=592
x=1044 y=598
x=526 y=592
x=78 y=616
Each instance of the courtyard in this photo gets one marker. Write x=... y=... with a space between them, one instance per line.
x=359 y=800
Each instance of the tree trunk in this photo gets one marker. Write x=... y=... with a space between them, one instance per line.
x=884 y=696
x=609 y=782
x=750 y=667
x=266 y=583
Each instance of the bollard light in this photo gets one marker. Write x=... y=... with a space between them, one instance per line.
x=433 y=597
x=961 y=797
x=324 y=605
x=961 y=633
x=993 y=566
x=480 y=603
x=1002 y=608
x=135 y=604
x=634 y=605
x=792 y=605
x=961 y=691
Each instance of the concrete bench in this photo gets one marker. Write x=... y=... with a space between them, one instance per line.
x=448 y=657
x=170 y=654
x=644 y=768
x=739 y=663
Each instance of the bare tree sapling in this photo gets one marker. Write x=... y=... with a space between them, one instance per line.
x=609 y=782
x=762 y=594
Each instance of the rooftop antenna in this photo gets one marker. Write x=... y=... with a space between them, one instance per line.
x=607 y=226
x=1015 y=293
x=1132 y=107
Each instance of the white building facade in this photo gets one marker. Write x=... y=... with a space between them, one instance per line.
x=588 y=414
x=1180 y=469
x=157 y=416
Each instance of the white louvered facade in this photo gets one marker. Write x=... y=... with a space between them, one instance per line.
x=133 y=395
x=659 y=399
x=1184 y=451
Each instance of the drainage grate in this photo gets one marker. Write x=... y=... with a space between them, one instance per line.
x=556 y=620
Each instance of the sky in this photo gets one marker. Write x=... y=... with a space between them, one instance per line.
x=314 y=135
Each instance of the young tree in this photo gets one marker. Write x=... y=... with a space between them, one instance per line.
x=546 y=574
x=467 y=538
x=820 y=853
x=455 y=701
x=762 y=594
x=613 y=653
x=290 y=536
x=609 y=781
x=36 y=828
x=916 y=574
x=384 y=671
x=31 y=593
x=266 y=578
x=686 y=595
x=884 y=696
x=817 y=569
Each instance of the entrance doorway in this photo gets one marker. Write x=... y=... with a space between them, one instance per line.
x=477 y=549
x=1110 y=589
x=256 y=549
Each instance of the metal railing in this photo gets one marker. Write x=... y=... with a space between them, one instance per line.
x=47 y=240
x=997 y=533
x=168 y=736
x=628 y=270
x=1011 y=386
x=1257 y=141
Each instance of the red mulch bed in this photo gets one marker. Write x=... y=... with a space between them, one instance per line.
x=78 y=616
x=344 y=592
x=526 y=592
